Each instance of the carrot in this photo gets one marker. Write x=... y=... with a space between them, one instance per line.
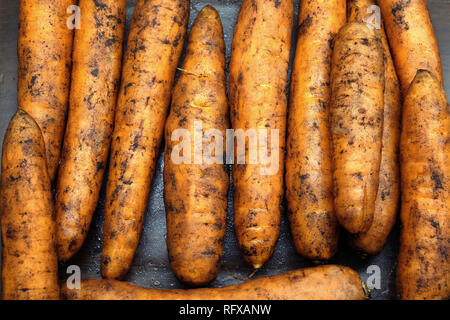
x=29 y=261
x=423 y=262
x=309 y=182
x=44 y=49
x=155 y=43
x=195 y=194
x=386 y=203
x=412 y=39
x=258 y=80
x=357 y=94
x=320 y=283
x=97 y=60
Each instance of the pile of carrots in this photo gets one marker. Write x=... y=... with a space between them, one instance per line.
x=364 y=132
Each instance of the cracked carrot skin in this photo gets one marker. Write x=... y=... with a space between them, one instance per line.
x=411 y=38
x=357 y=104
x=329 y=282
x=258 y=79
x=155 y=43
x=97 y=59
x=309 y=181
x=195 y=195
x=44 y=49
x=388 y=196
x=423 y=261
x=29 y=260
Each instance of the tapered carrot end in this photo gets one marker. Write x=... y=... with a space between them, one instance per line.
x=67 y=244
x=257 y=261
x=426 y=78
x=209 y=10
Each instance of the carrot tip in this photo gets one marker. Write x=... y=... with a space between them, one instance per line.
x=239 y=278
x=366 y=290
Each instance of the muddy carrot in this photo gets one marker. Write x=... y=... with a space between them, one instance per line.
x=309 y=181
x=357 y=106
x=44 y=49
x=97 y=60
x=195 y=194
x=155 y=43
x=423 y=261
x=29 y=260
x=258 y=79
x=412 y=39
x=387 y=201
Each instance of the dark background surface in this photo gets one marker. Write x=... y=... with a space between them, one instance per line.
x=151 y=266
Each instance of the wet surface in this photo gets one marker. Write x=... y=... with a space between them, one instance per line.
x=151 y=267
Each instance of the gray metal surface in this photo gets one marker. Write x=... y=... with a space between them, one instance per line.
x=151 y=267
